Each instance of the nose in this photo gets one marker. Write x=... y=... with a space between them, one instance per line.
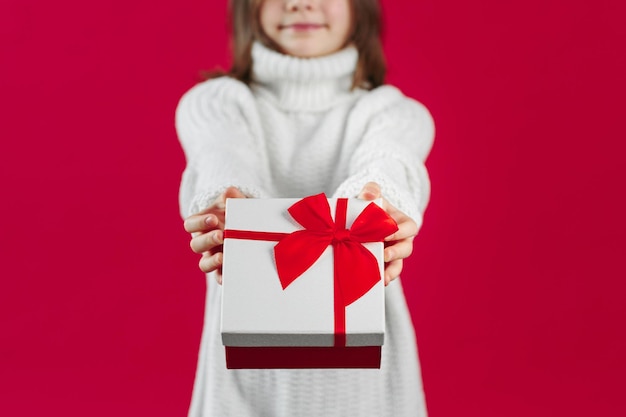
x=298 y=5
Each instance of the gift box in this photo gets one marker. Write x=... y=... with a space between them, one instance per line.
x=303 y=283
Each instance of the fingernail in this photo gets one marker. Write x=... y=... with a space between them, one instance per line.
x=217 y=237
x=388 y=255
x=210 y=220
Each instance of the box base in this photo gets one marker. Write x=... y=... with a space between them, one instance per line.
x=302 y=357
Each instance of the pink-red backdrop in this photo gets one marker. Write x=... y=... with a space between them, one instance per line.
x=516 y=286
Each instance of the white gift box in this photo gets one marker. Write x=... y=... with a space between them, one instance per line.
x=267 y=326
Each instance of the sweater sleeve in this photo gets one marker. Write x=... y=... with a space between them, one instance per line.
x=397 y=137
x=219 y=130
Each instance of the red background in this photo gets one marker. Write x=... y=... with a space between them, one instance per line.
x=517 y=284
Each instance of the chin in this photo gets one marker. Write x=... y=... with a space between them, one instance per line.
x=306 y=50
x=308 y=53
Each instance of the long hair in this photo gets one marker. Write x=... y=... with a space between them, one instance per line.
x=245 y=28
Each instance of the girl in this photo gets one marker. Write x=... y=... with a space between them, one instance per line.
x=303 y=111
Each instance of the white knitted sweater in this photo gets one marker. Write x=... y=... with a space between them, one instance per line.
x=300 y=130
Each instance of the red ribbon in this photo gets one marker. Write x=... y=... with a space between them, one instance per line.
x=356 y=269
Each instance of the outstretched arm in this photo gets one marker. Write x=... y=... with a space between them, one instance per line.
x=219 y=129
x=389 y=162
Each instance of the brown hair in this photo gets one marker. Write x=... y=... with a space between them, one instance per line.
x=245 y=29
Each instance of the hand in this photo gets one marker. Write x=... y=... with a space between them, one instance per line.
x=207 y=229
x=400 y=244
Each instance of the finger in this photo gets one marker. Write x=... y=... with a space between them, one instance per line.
x=392 y=270
x=207 y=241
x=201 y=223
x=407 y=229
x=370 y=191
x=218 y=274
x=399 y=250
x=209 y=263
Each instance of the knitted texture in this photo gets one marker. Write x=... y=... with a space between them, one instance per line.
x=300 y=130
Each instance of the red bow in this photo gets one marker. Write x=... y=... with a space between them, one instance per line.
x=356 y=268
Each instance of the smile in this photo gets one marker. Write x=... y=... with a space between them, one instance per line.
x=303 y=26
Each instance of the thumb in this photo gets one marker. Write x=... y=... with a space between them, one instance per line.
x=370 y=191
x=230 y=192
x=233 y=192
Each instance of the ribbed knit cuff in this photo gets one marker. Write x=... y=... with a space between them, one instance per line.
x=203 y=200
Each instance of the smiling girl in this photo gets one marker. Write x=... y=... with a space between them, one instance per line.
x=303 y=110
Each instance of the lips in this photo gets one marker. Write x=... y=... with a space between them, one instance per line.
x=303 y=26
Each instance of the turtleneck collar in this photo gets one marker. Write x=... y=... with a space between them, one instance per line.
x=309 y=84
